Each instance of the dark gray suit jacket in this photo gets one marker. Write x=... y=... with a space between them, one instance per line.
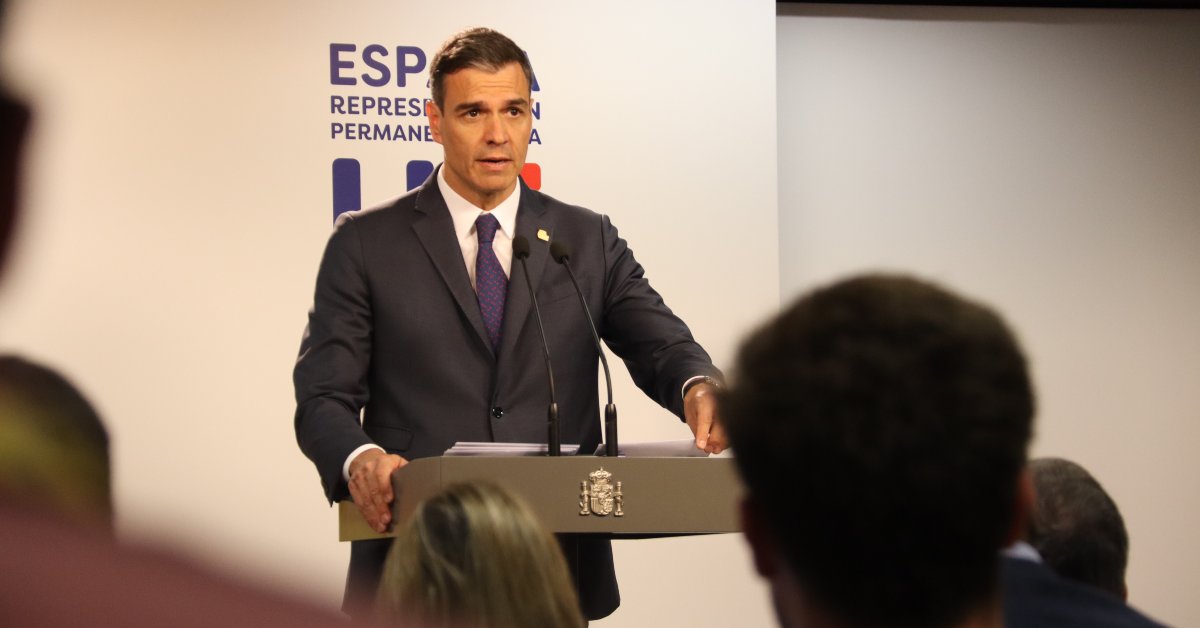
x=1036 y=597
x=396 y=330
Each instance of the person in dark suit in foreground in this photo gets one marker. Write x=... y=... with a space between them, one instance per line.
x=1036 y=597
x=1077 y=528
x=417 y=328
x=881 y=426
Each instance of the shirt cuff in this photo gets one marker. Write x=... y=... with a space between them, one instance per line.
x=353 y=455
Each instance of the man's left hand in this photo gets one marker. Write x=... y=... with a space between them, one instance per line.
x=700 y=410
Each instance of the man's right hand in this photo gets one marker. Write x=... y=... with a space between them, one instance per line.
x=371 y=486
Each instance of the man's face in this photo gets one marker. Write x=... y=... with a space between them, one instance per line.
x=483 y=128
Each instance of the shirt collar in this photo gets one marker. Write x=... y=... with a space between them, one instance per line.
x=464 y=213
x=1023 y=550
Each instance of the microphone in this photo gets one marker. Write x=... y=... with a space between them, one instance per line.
x=553 y=443
x=562 y=254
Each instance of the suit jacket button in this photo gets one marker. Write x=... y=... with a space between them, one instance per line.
x=497 y=412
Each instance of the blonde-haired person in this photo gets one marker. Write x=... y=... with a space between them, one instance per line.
x=475 y=556
x=54 y=451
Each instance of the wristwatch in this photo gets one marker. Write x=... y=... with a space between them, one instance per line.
x=704 y=379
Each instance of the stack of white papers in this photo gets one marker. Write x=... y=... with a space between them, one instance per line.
x=506 y=449
x=658 y=449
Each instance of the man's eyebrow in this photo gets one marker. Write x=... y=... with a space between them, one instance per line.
x=468 y=106
x=478 y=104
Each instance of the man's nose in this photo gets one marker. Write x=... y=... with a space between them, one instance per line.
x=496 y=132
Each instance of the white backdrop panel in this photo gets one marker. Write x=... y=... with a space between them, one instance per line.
x=180 y=195
x=1047 y=162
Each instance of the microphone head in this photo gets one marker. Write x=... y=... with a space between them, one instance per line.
x=560 y=251
x=520 y=247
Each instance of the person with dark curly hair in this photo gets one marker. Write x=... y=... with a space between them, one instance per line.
x=881 y=425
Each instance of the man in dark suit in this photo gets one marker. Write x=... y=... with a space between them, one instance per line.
x=1036 y=597
x=1077 y=528
x=1071 y=571
x=416 y=325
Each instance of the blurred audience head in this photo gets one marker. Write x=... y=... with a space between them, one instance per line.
x=881 y=426
x=14 y=119
x=54 y=451
x=1077 y=527
x=472 y=556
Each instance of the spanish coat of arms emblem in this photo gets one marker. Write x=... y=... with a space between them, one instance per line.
x=598 y=496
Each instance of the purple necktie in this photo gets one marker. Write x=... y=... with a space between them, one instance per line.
x=491 y=286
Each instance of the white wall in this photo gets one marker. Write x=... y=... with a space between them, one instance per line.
x=179 y=199
x=1045 y=161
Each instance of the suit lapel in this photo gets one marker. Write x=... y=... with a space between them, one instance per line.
x=531 y=217
x=435 y=230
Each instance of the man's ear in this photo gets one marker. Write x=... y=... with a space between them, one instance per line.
x=1024 y=501
x=434 y=113
x=763 y=545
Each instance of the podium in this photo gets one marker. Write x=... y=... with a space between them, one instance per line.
x=616 y=497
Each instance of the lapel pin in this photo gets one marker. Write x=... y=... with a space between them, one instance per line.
x=543 y=236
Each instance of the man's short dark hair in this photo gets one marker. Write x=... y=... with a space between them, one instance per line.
x=476 y=48
x=1077 y=527
x=881 y=425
